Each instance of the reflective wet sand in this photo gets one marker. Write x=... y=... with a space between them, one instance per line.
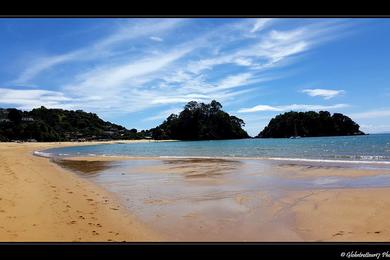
x=222 y=199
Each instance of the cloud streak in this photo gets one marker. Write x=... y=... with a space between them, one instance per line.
x=29 y=98
x=380 y=113
x=324 y=93
x=294 y=107
x=98 y=49
x=260 y=24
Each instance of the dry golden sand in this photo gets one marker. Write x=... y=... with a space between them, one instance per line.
x=39 y=201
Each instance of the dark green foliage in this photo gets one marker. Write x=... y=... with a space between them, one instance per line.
x=308 y=124
x=42 y=124
x=199 y=121
x=15 y=115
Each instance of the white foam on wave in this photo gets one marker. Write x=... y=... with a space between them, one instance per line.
x=196 y=157
x=327 y=160
x=42 y=154
x=284 y=159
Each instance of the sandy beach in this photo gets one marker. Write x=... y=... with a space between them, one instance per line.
x=41 y=201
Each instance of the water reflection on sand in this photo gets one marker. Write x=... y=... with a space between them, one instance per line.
x=214 y=199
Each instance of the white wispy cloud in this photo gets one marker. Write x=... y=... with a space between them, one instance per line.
x=294 y=107
x=260 y=23
x=115 y=78
x=156 y=39
x=43 y=63
x=380 y=113
x=163 y=114
x=29 y=98
x=271 y=50
x=375 y=128
x=99 y=49
x=324 y=93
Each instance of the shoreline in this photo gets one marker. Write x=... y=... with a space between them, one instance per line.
x=299 y=168
x=42 y=202
x=332 y=214
x=292 y=160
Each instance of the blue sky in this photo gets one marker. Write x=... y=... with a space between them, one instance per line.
x=135 y=72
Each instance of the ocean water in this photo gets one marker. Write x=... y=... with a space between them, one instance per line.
x=373 y=148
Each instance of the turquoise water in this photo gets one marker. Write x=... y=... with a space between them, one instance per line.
x=370 y=148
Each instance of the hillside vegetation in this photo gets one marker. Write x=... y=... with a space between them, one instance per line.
x=309 y=124
x=199 y=121
x=42 y=124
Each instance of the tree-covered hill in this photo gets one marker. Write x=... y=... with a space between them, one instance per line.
x=199 y=121
x=309 y=124
x=42 y=124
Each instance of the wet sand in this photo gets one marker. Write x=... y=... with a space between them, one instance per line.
x=40 y=201
x=155 y=199
x=246 y=200
x=342 y=215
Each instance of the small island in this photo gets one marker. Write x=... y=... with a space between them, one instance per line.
x=199 y=121
x=309 y=124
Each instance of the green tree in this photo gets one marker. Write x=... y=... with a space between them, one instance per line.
x=199 y=121
x=309 y=124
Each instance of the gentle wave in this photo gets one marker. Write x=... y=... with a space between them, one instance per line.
x=277 y=159
x=43 y=154
x=327 y=160
x=369 y=159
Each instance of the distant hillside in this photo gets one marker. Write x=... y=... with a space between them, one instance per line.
x=199 y=121
x=42 y=124
x=309 y=124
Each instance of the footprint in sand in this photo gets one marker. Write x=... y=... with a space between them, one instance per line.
x=340 y=233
